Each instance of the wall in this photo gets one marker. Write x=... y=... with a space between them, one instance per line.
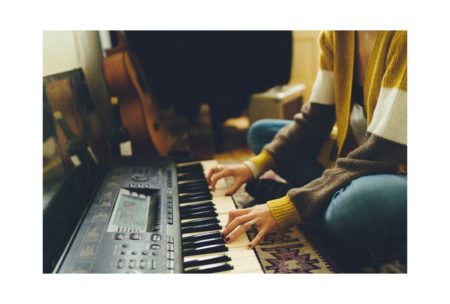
x=305 y=61
x=67 y=50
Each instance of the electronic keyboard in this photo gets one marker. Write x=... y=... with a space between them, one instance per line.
x=153 y=216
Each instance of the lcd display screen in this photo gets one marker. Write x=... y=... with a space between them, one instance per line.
x=131 y=213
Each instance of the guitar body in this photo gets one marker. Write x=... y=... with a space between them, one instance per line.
x=138 y=111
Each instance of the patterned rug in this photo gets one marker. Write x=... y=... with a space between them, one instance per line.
x=289 y=251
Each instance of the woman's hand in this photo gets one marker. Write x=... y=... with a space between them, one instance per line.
x=241 y=220
x=240 y=172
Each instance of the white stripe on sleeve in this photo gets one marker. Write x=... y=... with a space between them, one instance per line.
x=323 y=88
x=389 y=119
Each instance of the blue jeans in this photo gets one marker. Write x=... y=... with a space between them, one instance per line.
x=368 y=213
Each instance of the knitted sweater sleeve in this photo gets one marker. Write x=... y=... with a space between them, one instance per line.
x=311 y=127
x=375 y=156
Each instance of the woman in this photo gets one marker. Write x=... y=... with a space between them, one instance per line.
x=361 y=87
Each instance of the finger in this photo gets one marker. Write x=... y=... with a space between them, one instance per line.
x=210 y=174
x=231 y=215
x=238 y=231
x=257 y=239
x=234 y=213
x=236 y=222
x=237 y=184
x=216 y=177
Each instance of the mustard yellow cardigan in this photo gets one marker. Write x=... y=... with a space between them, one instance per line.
x=385 y=87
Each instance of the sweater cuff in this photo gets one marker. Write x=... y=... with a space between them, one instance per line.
x=284 y=212
x=260 y=163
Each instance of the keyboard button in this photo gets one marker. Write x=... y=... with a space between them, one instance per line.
x=170 y=264
x=121 y=263
x=156 y=237
x=135 y=236
x=143 y=264
x=119 y=236
x=170 y=247
x=155 y=246
x=132 y=264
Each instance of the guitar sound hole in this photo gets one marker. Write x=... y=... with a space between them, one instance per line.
x=156 y=126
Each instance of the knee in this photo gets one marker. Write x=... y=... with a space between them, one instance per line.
x=259 y=134
x=369 y=205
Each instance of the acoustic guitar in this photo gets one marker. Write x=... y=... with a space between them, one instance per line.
x=138 y=111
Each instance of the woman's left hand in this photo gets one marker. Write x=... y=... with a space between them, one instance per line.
x=241 y=220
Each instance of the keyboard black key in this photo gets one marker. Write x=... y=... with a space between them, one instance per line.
x=198 y=204
x=201 y=228
x=202 y=236
x=191 y=243
x=196 y=198
x=203 y=243
x=191 y=179
x=200 y=214
x=210 y=268
x=193 y=188
x=197 y=167
x=197 y=182
x=199 y=208
x=190 y=176
x=195 y=194
x=198 y=222
x=207 y=261
x=205 y=250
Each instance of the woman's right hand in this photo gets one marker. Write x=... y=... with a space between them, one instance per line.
x=240 y=172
